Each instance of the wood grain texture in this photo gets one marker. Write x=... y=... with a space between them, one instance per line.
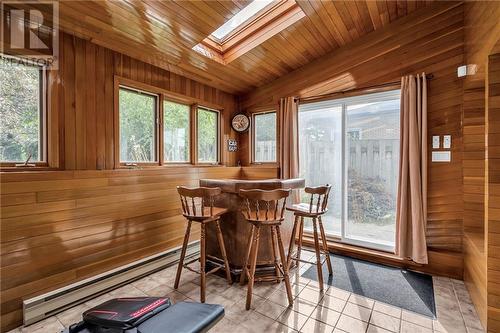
x=410 y=45
x=86 y=77
x=163 y=33
x=492 y=209
x=482 y=31
x=59 y=227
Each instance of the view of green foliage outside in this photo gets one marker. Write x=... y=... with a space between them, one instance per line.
x=137 y=126
x=207 y=136
x=20 y=123
x=176 y=132
x=265 y=137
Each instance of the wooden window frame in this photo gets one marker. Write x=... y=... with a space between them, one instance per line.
x=196 y=109
x=48 y=132
x=252 y=138
x=166 y=95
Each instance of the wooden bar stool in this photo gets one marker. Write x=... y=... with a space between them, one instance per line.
x=315 y=209
x=263 y=209
x=198 y=206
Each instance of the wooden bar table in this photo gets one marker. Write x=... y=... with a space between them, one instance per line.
x=236 y=229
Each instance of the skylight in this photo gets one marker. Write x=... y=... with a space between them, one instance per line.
x=241 y=17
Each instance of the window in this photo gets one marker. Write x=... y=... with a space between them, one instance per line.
x=176 y=132
x=353 y=144
x=22 y=112
x=208 y=136
x=138 y=123
x=264 y=137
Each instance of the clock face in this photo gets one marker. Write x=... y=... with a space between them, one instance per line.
x=240 y=123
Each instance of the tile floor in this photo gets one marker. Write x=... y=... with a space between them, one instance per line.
x=334 y=310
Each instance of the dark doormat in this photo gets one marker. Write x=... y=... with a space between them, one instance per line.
x=405 y=289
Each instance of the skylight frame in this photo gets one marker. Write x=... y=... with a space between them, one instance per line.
x=271 y=20
x=261 y=10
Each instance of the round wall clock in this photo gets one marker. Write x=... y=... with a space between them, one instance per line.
x=240 y=122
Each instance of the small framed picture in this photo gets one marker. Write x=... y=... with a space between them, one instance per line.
x=232 y=145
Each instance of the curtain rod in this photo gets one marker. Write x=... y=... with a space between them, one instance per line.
x=383 y=85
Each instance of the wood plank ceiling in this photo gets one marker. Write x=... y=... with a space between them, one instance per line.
x=163 y=33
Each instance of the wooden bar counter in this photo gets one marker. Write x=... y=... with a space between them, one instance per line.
x=236 y=229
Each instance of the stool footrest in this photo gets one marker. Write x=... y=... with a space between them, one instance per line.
x=213 y=270
x=322 y=259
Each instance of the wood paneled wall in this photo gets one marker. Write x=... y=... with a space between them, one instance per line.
x=429 y=40
x=482 y=31
x=60 y=226
x=82 y=96
x=493 y=191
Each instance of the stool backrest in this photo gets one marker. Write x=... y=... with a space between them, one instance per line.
x=264 y=206
x=318 y=202
x=198 y=201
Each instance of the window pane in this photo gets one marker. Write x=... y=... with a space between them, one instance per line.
x=137 y=126
x=208 y=136
x=372 y=153
x=320 y=146
x=20 y=112
x=265 y=137
x=176 y=132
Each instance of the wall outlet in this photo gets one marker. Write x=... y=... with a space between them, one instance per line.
x=447 y=141
x=435 y=142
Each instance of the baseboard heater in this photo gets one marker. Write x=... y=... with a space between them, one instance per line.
x=51 y=303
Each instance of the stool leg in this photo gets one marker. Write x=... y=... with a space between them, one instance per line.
x=292 y=242
x=285 y=268
x=223 y=252
x=202 y=261
x=301 y=234
x=183 y=254
x=244 y=269
x=318 y=255
x=275 y=257
x=253 y=263
x=325 y=246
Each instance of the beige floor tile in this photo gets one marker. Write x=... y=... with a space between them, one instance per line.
x=315 y=284
x=361 y=300
x=387 y=309
x=189 y=289
x=238 y=311
x=292 y=319
x=338 y=330
x=416 y=318
x=98 y=300
x=333 y=303
x=296 y=288
x=146 y=283
x=311 y=295
x=278 y=327
x=270 y=309
x=236 y=292
x=159 y=291
x=226 y=326
x=314 y=326
x=176 y=296
x=407 y=327
x=264 y=289
x=15 y=330
x=257 y=322
x=50 y=324
x=339 y=293
x=326 y=315
x=376 y=329
x=351 y=325
x=127 y=291
x=385 y=321
x=72 y=315
x=279 y=297
x=357 y=311
x=303 y=306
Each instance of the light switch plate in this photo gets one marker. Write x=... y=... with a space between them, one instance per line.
x=447 y=141
x=441 y=156
x=435 y=142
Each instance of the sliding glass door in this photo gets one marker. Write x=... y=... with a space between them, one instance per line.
x=353 y=144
